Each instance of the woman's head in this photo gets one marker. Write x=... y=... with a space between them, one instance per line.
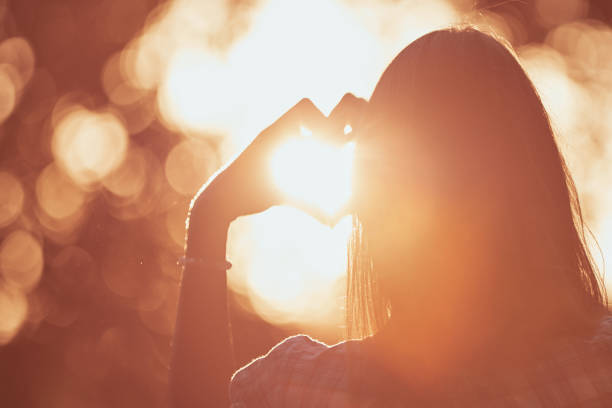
x=466 y=209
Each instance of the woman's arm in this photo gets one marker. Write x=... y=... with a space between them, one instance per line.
x=202 y=359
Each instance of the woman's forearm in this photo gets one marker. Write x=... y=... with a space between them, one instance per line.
x=202 y=359
x=202 y=355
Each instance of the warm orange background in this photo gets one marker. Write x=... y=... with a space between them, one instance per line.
x=113 y=113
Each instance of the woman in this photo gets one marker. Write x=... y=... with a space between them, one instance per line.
x=470 y=283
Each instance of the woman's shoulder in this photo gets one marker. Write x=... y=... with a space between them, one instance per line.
x=293 y=368
x=299 y=347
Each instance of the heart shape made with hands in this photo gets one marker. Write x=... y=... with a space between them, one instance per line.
x=315 y=172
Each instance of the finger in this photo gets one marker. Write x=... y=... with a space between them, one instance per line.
x=348 y=111
x=304 y=114
x=342 y=109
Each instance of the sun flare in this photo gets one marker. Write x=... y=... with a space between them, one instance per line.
x=314 y=173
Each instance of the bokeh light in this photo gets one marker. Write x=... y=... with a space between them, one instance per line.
x=11 y=201
x=21 y=260
x=89 y=145
x=188 y=165
x=17 y=54
x=57 y=195
x=13 y=312
x=8 y=93
x=196 y=91
x=117 y=87
x=136 y=186
x=129 y=179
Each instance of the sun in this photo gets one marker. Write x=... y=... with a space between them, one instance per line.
x=314 y=173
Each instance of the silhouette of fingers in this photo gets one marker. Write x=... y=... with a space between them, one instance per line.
x=303 y=114
x=349 y=111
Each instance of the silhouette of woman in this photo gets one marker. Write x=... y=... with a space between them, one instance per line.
x=469 y=282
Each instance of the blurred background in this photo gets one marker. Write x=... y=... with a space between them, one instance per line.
x=113 y=113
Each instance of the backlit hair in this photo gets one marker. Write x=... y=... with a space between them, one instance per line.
x=461 y=98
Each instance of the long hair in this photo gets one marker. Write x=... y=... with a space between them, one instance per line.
x=461 y=99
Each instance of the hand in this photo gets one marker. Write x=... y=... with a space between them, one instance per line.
x=244 y=186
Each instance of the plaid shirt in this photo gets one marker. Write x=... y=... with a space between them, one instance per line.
x=301 y=372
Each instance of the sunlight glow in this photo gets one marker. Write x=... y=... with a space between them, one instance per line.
x=294 y=270
x=314 y=173
x=98 y=173
x=195 y=91
x=220 y=80
x=229 y=94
